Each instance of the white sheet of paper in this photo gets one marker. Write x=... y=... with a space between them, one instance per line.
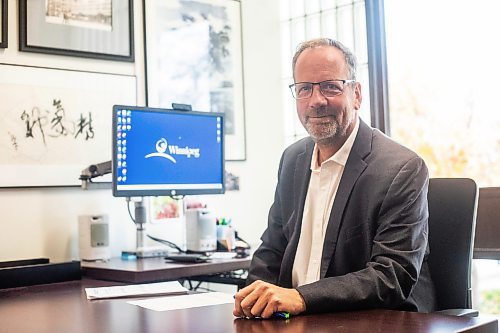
x=184 y=301
x=222 y=255
x=135 y=290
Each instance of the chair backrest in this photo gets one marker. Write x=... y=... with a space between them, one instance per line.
x=487 y=241
x=452 y=219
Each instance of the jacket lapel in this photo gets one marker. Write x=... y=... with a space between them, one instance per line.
x=354 y=168
x=302 y=174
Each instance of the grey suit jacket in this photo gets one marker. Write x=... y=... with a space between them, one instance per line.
x=375 y=249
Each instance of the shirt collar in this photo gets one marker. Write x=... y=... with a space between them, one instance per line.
x=341 y=155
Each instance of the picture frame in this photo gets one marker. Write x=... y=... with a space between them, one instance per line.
x=194 y=56
x=4 y=24
x=55 y=123
x=101 y=29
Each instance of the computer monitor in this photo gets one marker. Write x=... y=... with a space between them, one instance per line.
x=164 y=152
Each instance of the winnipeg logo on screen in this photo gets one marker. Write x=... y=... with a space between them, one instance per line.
x=161 y=151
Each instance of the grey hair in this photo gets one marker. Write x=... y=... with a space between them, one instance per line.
x=350 y=58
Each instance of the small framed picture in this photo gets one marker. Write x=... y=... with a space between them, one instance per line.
x=101 y=29
x=3 y=24
x=162 y=208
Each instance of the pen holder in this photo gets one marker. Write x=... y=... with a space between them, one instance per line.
x=226 y=236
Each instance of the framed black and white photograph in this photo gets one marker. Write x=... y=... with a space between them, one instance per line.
x=100 y=29
x=54 y=123
x=194 y=56
x=3 y=24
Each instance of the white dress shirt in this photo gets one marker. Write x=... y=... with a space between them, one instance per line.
x=323 y=185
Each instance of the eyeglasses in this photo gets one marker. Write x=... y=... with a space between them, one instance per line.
x=329 y=88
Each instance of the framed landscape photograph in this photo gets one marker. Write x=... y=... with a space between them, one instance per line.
x=194 y=56
x=3 y=24
x=100 y=29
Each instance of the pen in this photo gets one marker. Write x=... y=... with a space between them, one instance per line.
x=281 y=315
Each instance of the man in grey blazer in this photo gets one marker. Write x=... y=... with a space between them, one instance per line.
x=348 y=226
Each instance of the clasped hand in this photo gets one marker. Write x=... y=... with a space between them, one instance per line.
x=262 y=299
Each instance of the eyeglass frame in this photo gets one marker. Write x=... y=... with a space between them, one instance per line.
x=344 y=82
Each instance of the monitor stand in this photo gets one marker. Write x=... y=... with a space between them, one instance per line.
x=142 y=251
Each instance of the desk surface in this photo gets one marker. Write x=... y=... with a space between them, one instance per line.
x=157 y=269
x=62 y=307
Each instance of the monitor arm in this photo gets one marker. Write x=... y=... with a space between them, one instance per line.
x=93 y=171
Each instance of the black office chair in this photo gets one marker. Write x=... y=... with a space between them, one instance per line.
x=452 y=220
x=487 y=239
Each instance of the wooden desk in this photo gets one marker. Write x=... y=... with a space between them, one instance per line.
x=62 y=307
x=157 y=269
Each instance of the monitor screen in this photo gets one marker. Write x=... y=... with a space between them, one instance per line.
x=162 y=152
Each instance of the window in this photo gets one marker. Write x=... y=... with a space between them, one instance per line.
x=443 y=85
x=301 y=20
x=443 y=72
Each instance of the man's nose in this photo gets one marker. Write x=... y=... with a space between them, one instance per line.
x=317 y=97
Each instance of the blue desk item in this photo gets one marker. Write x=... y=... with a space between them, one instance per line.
x=128 y=256
x=281 y=315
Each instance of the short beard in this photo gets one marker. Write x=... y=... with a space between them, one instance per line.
x=326 y=134
x=330 y=132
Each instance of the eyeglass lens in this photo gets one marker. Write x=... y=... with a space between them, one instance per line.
x=328 y=88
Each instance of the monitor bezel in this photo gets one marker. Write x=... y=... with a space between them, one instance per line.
x=163 y=192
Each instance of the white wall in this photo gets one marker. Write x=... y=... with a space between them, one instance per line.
x=40 y=222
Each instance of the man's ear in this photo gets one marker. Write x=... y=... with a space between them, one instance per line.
x=358 y=98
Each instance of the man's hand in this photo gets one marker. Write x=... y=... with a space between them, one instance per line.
x=262 y=299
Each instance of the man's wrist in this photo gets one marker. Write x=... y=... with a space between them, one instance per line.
x=302 y=302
